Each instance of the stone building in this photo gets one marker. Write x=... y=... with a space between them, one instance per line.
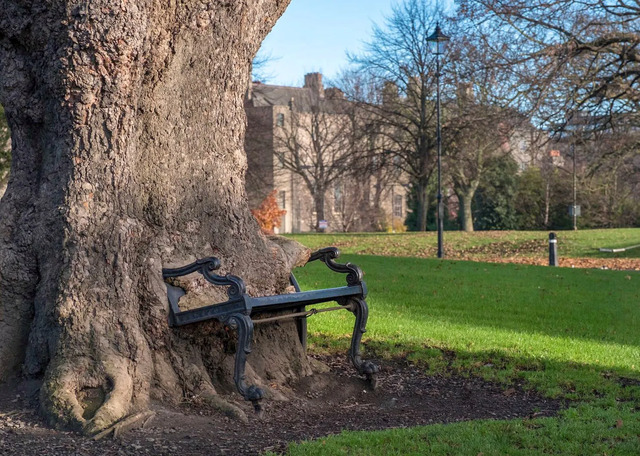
x=305 y=143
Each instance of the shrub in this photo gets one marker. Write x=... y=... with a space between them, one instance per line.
x=268 y=214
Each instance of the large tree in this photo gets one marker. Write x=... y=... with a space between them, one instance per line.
x=127 y=126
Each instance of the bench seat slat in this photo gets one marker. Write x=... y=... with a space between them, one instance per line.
x=302 y=298
x=217 y=311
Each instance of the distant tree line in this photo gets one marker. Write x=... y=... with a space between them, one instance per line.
x=573 y=69
x=520 y=79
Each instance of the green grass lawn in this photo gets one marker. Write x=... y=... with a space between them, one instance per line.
x=568 y=333
x=572 y=244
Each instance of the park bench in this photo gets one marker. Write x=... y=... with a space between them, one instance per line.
x=240 y=310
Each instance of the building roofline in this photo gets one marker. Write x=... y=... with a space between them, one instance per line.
x=262 y=84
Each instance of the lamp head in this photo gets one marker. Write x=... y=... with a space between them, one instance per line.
x=438 y=40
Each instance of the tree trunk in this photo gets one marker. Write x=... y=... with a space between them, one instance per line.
x=465 y=211
x=127 y=125
x=547 y=202
x=318 y=200
x=465 y=196
x=423 y=205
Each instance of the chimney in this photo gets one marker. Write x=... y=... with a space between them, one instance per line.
x=389 y=93
x=414 y=87
x=334 y=93
x=313 y=81
x=465 y=92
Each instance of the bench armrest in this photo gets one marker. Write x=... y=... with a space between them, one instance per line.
x=328 y=254
x=206 y=266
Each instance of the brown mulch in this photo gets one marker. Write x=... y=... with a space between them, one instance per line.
x=324 y=404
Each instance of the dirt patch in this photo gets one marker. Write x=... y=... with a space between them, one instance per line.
x=324 y=404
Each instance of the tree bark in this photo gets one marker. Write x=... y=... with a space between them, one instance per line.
x=547 y=202
x=465 y=196
x=423 y=205
x=127 y=127
x=318 y=200
x=465 y=212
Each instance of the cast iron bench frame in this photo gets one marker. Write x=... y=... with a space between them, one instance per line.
x=238 y=310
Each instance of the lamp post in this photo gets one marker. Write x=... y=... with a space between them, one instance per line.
x=438 y=40
x=574 y=212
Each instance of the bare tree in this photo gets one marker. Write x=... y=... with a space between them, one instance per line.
x=609 y=166
x=378 y=166
x=565 y=56
x=568 y=60
x=475 y=135
x=317 y=141
x=478 y=127
x=261 y=61
x=400 y=65
x=127 y=128
x=348 y=198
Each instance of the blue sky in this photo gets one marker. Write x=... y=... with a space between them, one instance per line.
x=314 y=35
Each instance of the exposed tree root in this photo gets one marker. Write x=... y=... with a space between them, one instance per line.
x=60 y=396
x=127 y=424
x=226 y=408
x=118 y=401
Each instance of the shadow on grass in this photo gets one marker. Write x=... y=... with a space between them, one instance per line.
x=601 y=415
x=551 y=378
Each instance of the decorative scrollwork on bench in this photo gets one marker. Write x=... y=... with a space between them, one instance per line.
x=206 y=266
x=328 y=254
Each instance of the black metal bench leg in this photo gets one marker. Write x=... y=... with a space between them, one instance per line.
x=243 y=324
x=361 y=311
x=301 y=325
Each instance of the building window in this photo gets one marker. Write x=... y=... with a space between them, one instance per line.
x=280 y=120
x=397 y=205
x=283 y=199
